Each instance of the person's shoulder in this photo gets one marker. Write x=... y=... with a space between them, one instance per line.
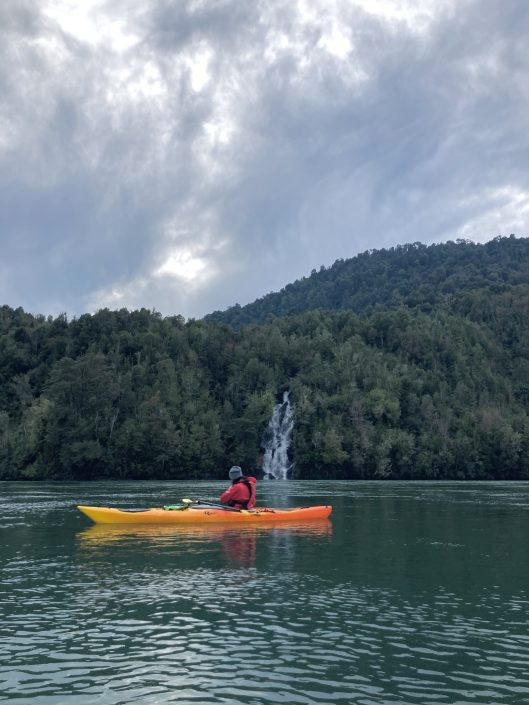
x=251 y=479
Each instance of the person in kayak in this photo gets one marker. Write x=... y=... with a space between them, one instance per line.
x=241 y=494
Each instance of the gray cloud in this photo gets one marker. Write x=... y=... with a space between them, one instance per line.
x=188 y=155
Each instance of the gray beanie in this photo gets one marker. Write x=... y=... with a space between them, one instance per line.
x=235 y=472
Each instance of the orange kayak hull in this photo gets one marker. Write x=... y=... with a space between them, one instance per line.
x=203 y=515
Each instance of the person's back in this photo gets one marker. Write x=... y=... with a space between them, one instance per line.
x=241 y=494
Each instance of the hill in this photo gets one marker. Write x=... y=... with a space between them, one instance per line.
x=414 y=276
x=428 y=382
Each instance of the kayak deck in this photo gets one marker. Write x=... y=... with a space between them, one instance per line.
x=203 y=515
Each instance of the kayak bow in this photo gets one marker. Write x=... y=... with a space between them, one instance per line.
x=203 y=515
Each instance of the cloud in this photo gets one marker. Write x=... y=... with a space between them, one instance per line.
x=189 y=155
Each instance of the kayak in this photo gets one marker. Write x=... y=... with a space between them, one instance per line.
x=203 y=515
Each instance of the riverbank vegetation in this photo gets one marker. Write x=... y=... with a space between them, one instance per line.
x=406 y=363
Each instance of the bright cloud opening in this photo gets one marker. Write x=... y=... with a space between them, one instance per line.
x=198 y=65
x=506 y=211
x=336 y=42
x=88 y=21
x=184 y=265
x=418 y=15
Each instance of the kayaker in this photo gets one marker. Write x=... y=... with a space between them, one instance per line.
x=241 y=494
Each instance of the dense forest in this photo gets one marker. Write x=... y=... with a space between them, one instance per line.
x=405 y=363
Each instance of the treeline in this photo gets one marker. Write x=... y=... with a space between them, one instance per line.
x=396 y=393
x=413 y=276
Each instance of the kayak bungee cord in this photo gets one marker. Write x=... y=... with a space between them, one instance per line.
x=197 y=503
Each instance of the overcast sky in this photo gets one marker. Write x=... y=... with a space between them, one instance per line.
x=185 y=155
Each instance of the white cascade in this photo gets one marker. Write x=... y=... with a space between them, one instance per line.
x=276 y=441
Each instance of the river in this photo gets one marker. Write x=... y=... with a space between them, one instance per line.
x=413 y=593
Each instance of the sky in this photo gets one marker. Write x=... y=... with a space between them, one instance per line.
x=187 y=155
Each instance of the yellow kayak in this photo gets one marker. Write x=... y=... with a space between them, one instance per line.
x=203 y=515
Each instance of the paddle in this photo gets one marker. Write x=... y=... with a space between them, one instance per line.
x=216 y=505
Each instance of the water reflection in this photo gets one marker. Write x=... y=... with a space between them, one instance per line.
x=108 y=533
x=237 y=545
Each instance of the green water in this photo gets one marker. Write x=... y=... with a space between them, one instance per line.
x=414 y=593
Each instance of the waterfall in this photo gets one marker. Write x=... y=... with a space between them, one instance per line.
x=276 y=441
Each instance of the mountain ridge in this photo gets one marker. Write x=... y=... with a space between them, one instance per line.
x=428 y=379
x=411 y=275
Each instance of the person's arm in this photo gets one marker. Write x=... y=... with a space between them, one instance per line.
x=230 y=494
x=236 y=493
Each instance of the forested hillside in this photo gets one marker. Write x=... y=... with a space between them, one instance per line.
x=415 y=276
x=428 y=382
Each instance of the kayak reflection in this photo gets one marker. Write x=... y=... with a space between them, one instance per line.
x=110 y=533
x=239 y=547
x=236 y=546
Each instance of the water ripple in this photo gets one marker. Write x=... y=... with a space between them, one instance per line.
x=365 y=610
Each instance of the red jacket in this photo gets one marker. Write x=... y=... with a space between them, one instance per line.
x=239 y=493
